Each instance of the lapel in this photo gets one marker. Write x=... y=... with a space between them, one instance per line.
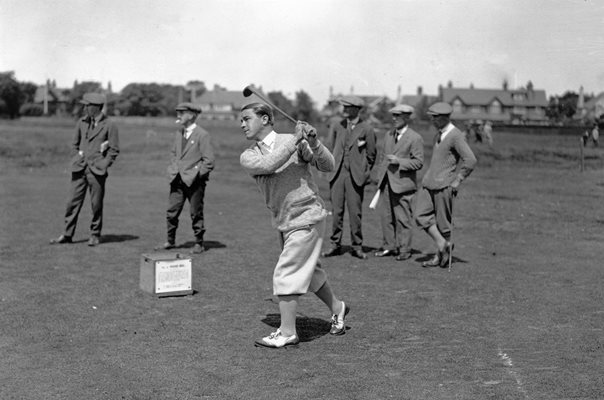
x=97 y=129
x=190 y=142
x=354 y=134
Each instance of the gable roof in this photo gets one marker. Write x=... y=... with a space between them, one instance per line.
x=233 y=98
x=483 y=97
x=54 y=95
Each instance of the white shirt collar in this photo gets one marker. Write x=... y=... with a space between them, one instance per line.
x=269 y=141
x=446 y=130
x=189 y=130
x=400 y=132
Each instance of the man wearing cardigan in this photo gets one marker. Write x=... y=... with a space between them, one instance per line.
x=94 y=148
x=280 y=164
x=401 y=157
x=354 y=151
x=452 y=162
x=188 y=173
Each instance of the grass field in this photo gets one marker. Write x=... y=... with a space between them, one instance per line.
x=520 y=316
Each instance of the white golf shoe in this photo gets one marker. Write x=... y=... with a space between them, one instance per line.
x=276 y=340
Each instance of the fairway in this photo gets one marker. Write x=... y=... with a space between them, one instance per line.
x=519 y=316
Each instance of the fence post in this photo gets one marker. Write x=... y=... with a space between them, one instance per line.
x=581 y=143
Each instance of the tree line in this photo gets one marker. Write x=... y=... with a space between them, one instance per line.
x=155 y=99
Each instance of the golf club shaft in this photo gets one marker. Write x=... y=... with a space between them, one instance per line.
x=267 y=101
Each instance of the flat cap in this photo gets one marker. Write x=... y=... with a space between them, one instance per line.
x=401 y=109
x=189 y=107
x=93 y=98
x=440 y=108
x=353 y=101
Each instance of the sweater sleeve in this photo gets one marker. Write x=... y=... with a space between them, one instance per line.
x=468 y=159
x=255 y=162
x=319 y=156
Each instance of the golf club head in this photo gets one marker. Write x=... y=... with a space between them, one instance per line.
x=248 y=91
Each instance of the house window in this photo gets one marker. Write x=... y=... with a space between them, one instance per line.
x=457 y=106
x=495 y=108
x=475 y=110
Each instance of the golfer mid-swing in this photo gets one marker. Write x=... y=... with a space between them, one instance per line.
x=280 y=163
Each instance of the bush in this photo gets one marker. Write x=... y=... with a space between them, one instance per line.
x=31 y=110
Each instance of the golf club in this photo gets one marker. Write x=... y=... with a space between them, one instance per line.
x=250 y=89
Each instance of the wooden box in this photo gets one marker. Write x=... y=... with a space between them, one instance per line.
x=166 y=274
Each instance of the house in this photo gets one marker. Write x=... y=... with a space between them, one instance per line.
x=52 y=99
x=513 y=106
x=223 y=104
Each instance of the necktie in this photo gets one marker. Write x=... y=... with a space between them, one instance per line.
x=439 y=137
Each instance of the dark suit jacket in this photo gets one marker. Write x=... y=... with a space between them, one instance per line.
x=89 y=141
x=362 y=157
x=410 y=153
x=196 y=159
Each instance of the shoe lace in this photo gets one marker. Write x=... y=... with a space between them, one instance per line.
x=273 y=335
x=334 y=320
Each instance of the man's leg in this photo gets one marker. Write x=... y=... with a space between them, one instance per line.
x=354 y=202
x=196 y=193
x=74 y=204
x=288 y=306
x=176 y=201
x=96 y=185
x=404 y=221
x=387 y=219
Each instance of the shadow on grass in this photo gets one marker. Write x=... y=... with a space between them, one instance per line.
x=427 y=257
x=308 y=328
x=208 y=244
x=117 y=238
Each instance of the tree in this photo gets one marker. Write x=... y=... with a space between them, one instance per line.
x=562 y=108
x=147 y=99
x=304 y=109
x=10 y=94
x=279 y=99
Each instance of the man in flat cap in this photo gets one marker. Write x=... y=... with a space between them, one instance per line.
x=94 y=148
x=354 y=150
x=401 y=157
x=192 y=159
x=452 y=161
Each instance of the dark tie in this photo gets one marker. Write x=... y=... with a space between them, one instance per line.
x=439 y=137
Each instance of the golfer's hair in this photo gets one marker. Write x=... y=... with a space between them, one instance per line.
x=260 y=109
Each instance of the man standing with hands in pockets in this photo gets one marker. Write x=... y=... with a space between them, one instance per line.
x=402 y=156
x=354 y=152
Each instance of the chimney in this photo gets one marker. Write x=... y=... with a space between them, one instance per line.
x=420 y=90
x=505 y=85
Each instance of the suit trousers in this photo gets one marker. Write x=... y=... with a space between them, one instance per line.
x=396 y=216
x=80 y=181
x=346 y=193
x=179 y=193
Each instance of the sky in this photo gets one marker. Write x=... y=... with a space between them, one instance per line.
x=365 y=47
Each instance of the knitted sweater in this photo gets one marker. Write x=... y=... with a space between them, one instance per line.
x=445 y=164
x=285 y=180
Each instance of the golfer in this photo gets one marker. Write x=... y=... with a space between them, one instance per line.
x=452 y=161
x=281 y=163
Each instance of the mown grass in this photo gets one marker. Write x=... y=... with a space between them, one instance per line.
x=519 y=315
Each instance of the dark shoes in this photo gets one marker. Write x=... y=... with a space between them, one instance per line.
x=61 y=240
x=334 y=251
x=197 y=249
x=434 y=262
x=403 y=256
x=165 y=246
x=446 y=254
x=93 y=241
x=358 y=254
x=385 y=253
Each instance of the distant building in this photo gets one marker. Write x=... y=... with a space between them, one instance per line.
x=223 y=104
x=53 y=100
x=514 y=106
